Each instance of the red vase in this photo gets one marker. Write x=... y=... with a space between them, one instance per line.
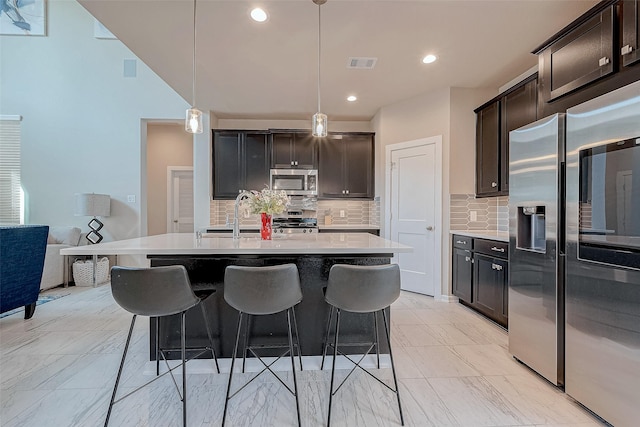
x=265 y=229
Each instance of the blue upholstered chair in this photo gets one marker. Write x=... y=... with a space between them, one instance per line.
x=22 y=251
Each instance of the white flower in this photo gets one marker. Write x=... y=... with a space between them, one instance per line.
x=267 y=201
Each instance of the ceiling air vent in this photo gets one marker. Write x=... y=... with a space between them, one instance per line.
x=360 y=63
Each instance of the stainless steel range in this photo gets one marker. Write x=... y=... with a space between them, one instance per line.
x=300 y=217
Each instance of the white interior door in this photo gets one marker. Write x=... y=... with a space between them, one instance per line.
x=413 y=215
x=180 y=200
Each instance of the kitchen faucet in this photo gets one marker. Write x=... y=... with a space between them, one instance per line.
x=236 y=221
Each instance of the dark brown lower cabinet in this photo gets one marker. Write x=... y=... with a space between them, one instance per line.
x=480 y=277
x=462 y=274
x=489 y=287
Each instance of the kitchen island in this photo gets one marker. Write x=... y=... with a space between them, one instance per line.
x=206 y=259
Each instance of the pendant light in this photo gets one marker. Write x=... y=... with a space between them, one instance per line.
x=193 y=121
x=319 y=122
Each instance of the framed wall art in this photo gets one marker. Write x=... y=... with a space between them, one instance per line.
x=23 y=17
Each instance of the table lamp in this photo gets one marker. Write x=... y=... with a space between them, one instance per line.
x=95 y=205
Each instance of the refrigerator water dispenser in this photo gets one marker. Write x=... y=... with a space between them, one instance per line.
x=531 y=229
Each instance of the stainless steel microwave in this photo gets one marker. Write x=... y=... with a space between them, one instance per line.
x=295 y=182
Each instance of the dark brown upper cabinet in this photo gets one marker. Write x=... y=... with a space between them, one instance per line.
x=488 y=149
x=293 y=150
x=580 y=57
x=346 y=166
x=519 y=108
x=630 y=32
x=240 y=162
x=514 y=108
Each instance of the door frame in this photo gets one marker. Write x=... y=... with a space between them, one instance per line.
x=439 y=225
x=170 y=173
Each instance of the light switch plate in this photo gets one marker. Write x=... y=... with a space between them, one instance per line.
x=131 y=198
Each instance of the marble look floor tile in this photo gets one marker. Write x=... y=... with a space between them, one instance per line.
x=440 y=361
x=449 y=334
x=422 y=406
x=404 y=317
x=414 y=336
x=539 y=401
x=474 y=402
x=64 y=408
x=431 y=317
x=489 y=359
x=58 y=369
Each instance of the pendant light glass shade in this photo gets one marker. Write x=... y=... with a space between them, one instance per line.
x=319 y=124
x=193 y=122
x=319 y=121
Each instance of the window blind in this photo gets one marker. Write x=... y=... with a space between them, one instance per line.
x=10 y=188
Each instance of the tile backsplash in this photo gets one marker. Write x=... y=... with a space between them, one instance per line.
x=356 y=212
x=492 y=213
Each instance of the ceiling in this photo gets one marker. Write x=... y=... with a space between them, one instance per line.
x=268 y=70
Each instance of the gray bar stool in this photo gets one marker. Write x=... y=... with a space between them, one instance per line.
x=361 y=289
x=259 y=291
x=156 y=292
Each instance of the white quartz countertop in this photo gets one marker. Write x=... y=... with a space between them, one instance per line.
x=501 y=236
x=216 y=244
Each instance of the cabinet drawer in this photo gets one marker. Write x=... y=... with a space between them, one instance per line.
x=491 y=247
x=462 y=242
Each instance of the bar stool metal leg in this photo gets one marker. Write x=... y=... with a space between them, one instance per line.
x=183 y=344
x=293 y=364
x=333 y=365
x=124 y=355
x=326 y=338
x=210 y=335
x=247 y=329
x=157 y=346
x=377 y=337
x=295 y=325
x=393 y=366
x=233 y=359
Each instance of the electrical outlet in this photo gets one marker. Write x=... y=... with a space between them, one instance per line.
x=473 y=216
x=131 y=198
x=342 y=214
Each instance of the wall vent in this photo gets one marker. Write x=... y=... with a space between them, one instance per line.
x=361 y=63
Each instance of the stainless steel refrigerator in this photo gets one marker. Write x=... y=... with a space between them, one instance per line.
x=536 y=246
x=602 y=364
x=574 y=233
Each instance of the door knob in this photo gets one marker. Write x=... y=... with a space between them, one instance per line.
x=175 y=220
x=429 y=228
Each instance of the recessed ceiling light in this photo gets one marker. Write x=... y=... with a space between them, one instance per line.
x=429 y=59
x=258 y=15
x=352 y=98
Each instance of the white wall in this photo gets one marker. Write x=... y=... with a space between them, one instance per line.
x=167 y=145
x=82 y=129
x=447 y=112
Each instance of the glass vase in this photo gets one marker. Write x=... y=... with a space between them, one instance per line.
x=265 y=229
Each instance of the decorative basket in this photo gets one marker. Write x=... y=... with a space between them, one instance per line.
x=83 y=272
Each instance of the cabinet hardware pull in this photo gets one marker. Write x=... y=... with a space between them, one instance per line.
x=467 y=258
x=347 y=191
x=461 y=242
x=603 y=61
x=496 y=267
x=494 y=184
x=291 y=162
x=626 y=50
x=296 y=163
x=497 y=249
x=342 y=191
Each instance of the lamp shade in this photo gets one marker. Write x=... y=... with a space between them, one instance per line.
x=91 y=204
